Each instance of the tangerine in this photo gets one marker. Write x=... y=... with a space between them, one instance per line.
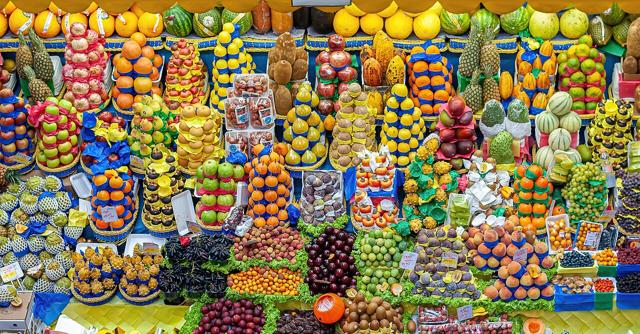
x=257 y=196
x=99 y=180
x=521 y=170
x=128 y=216
x=103 y=195
x=124 y=101
x=281 y=189
x=124 y=82
x=258 y=182
x=154 y=74
x=119 y=210
x=156 y=90
x=259 y=222
x=271 y=196
x=128 y=185
x=259 y=209
x=536 y=170
x=281 y=202
x=101 y=224
x=143 y=66
x=117 y=195
x=273 y=221
x=526 y=184
x=524 y=208
x=283 y=177
x=283 y=215
x=148 y=52
x=250 y=188
x=275 y=169
x=265 y=159
x=271 y=181
x=542 y=182
x=139 y=38
x=116 y=182
x=525 y=221
x=131 y=49
x=115 y=92
x=539 y=208
x=124 y=66
x=272 y=209
x=157 y=61
x=262 y=169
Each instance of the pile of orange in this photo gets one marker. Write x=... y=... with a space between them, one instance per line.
x=112 y=189
x=135 y=69
x=269 y=187
x=531 y=197
x=267 y=281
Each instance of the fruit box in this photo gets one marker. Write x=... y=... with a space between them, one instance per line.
x=627 y=84
x=607 y=271
x=552 y=219
x=627 y=269
x=573 y=302
x=596 y=242
x=628 y=301
x=604 y=300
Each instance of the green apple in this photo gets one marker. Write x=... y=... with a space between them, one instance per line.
x=222 y=216
x=53 y=99
x=210 y=167
x=52 y=110
x=208 y=217
x=228 y=186
x=49 y=139
x=73 y=140
x=49 y=127
x=65 y=104
x=63 y=119
x=209 y=199
x=62 y=135
x=225 y=169
x=238 y=172
x=226 y=200
x=210 y=184
x=50 y=152
x=64 y=147
x=53 y=163
x=200 y=173
x=66 y=159
x=41 y=145
x=41 y=157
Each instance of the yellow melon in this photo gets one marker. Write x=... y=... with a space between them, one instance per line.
x=371 y=23
x=136 y=10
x=70 y=19
x=150 y=24
x=46 y=25
x=20 y=21
x=126 y=24
x=102 y=22
x=427 y=25
x=4 y=25
x=56 y=10
x=354 y=10
x=9 y=8
x=390 y=10
x=345 y=24
x=399 y=25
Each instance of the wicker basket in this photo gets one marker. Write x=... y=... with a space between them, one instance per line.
x=205 y=228
x=159 y=231
x=139 y=301
x=120 y=236
x=61 y=172
x=94 y=301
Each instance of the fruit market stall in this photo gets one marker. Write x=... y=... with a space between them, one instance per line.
x=374 y=167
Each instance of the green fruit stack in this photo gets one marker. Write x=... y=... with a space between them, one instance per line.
x=230 y=58
x=378 y=264
x=304 y=132
x=16 y=139
x=57 y=128
x=216 y=184
x=403 y=127
x=610 y=131
x=582 y=74
x=162 y=181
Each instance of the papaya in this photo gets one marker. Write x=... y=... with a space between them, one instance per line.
x=506 y=85
x=533 y=326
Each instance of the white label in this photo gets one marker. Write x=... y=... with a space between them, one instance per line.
x=465 y=312
x=11 y=272
x=520 y=255
x=109 y=214
x=408 y=261
x=387 y=205
x=450 y=259
x=591 y=239
x=150 y=248
x=184 y=212
x=562 y=234
x=85 y=206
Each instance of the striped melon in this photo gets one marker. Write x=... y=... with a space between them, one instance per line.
x=454 y=24
x=560 y=103
x=560 y=139
x=546 y=122
x=207 y=24
x=571 y=122
x=544 y=156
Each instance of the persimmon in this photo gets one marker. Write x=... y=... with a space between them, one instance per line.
x=271 y=196
x=148 y=52
x=542 y=182
x=124 y=82
x=273 y=221
x=259 y=222
x=271 y=181
x=257 y=196
x=272 y=209
x=116 y=182
x=124 y=66
x=258 y=182
x=103 y=195
x=157 y=61
x=539 y=209
x=142 y=85
x=558 y=210
x=536 y=170
x=259 y=209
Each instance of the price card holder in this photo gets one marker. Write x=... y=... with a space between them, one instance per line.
x=520 y=255
x=109 y=214
x=185 y=213
x=449 y=259
x=408 y=261
x=591 y=239
x=465 y=312
x=11 y=272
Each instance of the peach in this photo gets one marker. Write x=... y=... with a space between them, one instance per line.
x=534 y=259
x=505 y=294
x=526 y=280
x=491 y=292
x=500 y=230
x=478 y=239
x=521 y=293
x=493 y=263
x=548 y=262
x=498 y=284
x=505 y=261
x=511 y=250
x=512 y=282
x=506 y=239
x=541 y=280
x=503 y=273
x=490 y=236
x=479 y=262
x=499 y=250
x=514 y=267
x=547 y=292
x=529 y=248
x=533 y=293
x=540 y=247
x=517 y=236
x=482 y=249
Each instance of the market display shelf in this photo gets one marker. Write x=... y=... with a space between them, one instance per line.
x=505 y=43
x=10 y=43
x=318 y=42
x=253 y=42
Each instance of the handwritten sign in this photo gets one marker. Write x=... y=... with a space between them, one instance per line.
x=449 y=259
x=591 y=239
x=408 y=261
x=520 y=255
x=465 y=312
x=11 y=272
x=109 y=214
x=150 y=248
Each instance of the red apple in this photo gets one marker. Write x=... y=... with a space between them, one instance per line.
x=336 y=42
x=322 y=57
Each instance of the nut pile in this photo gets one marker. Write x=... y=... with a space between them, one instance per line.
x=321 y=197
x=573 y=284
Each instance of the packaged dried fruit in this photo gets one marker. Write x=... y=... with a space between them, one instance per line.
x=250 y=85
x=588 y=236
x=236 y=140
x=236 y=111
x=321 y=199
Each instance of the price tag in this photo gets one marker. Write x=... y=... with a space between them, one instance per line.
x=562 y=234
x=11 y=272
x=150 y=248
x=85 y=206
x=520 y=255
x=109 y=214
x=465 y=312
x=449 y=259
x=591 y=239
x=408 y=261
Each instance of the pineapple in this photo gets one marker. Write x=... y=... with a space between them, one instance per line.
x=64 y=258
x=16 y=188
x=38 y=88
x=36 y=243
x=42 y=65
x=63 y=285
x=64 y=201
x=48 y=205
x=29 y=203
x=4 y=218
x=473 y=93
x=54 y=270
x=52 y=184
x=54 y=244
x=19 y=245
x=490 y=59
x=7 y=177
x=18 y=217
x=490 y=90
x=43 y=284
x=24 y=57
x=35 y=185
x=5 y=246
x=8 y=202
x=29 y=261
x=470 y=57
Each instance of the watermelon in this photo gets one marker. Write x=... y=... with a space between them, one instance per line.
x=177 y=21
x=244 y=20
x=515 y=22
x=207 y=24
x=487 y=22
x=613 y=15
x=560 y=139
x=546 y=122
x=454 y=24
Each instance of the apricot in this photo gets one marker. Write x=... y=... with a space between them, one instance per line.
x=521 y=293
x=526 y=280
x=505 y=294
x=499 y=250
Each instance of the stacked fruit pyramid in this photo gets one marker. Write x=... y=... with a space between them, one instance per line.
x=611 y=131
x=380 y=63
x=152 y=124
x=558 y=129
x=16 y=137
x=135 y=69
x=85 y=65
x=57 y=127
x=430 y=79
x=230 y=58
x=161 y=182
x=532 y=198
x=403 y=127
x=270 y=187
x=582 y=75
x=31 y=232
x=216 y=184
x=456 y=129
x=334 y=73
x=354 y=131
x=198 y=137
x=186 y=79
x=114 y=205
x=304 y=132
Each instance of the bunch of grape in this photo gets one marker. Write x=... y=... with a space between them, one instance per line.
x=586 y=191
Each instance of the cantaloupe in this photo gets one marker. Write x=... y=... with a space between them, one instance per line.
x=533 y=326
x=399 y=25
x=150 y=24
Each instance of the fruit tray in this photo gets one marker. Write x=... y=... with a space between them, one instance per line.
x=579 y=271
x=573 y=302
x=627 y=268
x=597 y=239
x=93 y=301
x=628 y=301
x=118 y=237
x=604 y=300
x=553 y=219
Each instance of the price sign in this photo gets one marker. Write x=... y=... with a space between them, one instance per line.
x=85 y=206
x=109 y=214
x=591 y=239
x=520 y=255
x=11 y=272
x=465 y=312
x=150 y=248
x=408 y=261
x=449 y=259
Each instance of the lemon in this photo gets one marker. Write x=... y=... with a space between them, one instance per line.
x=413 y=143
x=371 y=24
x=393 y=146
x=232 y=49
x=417 y=114
x=228 y=27
x=313 y=135
x=345 y=24
x=224 y=37
x=404 y=134
x=238 y=43
x=300 y=126
x=403 y=161
x=233 y=64
x=403 y=148
x=392 y=102
x=390 y=117
x=319 y=150
x=300 y=143
x=399 y=90
x=383 y=139
x=291 y=116
x=354 y=10
x=314 y=119
x=385 y=127
x=407 y=104
x=288 y=135
x=221 y=64
x=415 y=129
x=392 y=132
x=390 y=10
x=420 y=136
x=406 y=120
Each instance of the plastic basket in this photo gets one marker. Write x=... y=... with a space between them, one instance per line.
x=628 y=301
x=604 y=300
x=573 y=302
x=607 y=271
